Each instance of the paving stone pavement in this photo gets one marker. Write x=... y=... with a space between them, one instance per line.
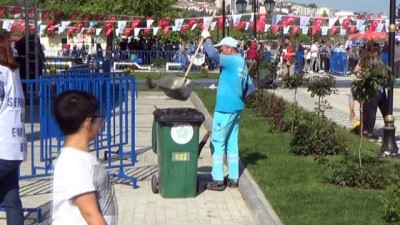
x=339 y=111
x=140 y=206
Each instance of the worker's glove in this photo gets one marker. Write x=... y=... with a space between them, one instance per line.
x=205 y=34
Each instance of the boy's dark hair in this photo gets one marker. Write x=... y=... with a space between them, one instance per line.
x=71 y=108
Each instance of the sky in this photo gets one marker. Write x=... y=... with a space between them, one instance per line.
x=371 y=6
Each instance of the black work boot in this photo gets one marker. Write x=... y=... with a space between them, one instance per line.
x=215 y=185
x=233 y=183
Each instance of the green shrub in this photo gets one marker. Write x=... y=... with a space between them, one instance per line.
x=373 y=175
x=316 y=137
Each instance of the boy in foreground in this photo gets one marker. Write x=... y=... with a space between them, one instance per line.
x=82 y=190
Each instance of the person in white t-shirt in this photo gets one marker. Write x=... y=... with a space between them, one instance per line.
x=82 y=190
x=314 y=63
x=12 y=133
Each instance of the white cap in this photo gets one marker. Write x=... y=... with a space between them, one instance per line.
x=231 y=42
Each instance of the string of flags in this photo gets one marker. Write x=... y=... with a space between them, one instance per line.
x=51 y=23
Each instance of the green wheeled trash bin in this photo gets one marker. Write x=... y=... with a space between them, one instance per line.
x=177 y=148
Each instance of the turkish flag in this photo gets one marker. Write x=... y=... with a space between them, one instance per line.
x=127 y=32
x=16 y=10
x=295 y=29
x=87 y=17
x=135 y=23
x=14 y=26
x=70 y=32
x=261 y=17
x=165 y=30
x=79 y=27
x=108 y=32
x=314 y=31
x=290 y=20
x=220 y=23
x=31 y=13
x=333 y=31
x=89 y=32
x=2 y=10
x=275 y=29
x=113 y=17
x=57 y=14
x=184 y=28
x=346 y=23
x=146 y=32
x=192 y=22
x=44 y=15
x=260 y=26
x=100 y=18
x=240 y=25
x=32 y=28
x=374 y=25
x=317 y=23
x=22 y=26
x=73 y=16
x=50 y=23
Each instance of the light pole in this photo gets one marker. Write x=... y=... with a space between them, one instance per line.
x=241 y=6
x=389 y=146
x=223 y=18
x=255 y=10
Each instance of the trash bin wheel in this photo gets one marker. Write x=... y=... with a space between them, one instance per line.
x=154 y=184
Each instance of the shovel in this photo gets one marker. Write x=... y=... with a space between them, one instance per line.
x=180 y=87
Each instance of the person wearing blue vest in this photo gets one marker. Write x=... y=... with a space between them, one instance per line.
x=12 y=133
x=228 y=107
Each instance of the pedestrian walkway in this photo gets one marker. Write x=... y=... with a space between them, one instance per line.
x=339 y=103
x=140 y=206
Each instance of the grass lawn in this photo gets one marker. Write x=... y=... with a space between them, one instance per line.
x=157 y=75
x=295 y=185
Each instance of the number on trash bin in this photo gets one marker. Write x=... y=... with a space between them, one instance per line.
x=181 y=156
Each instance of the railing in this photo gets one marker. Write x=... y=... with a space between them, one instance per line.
x=116 y=94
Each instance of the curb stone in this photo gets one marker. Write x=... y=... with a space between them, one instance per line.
x=261 y=209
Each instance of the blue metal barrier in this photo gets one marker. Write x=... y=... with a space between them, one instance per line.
x=115 y=145
x=338 y=63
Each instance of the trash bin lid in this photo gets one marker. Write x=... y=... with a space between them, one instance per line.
x=178 y=115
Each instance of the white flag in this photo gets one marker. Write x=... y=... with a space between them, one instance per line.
x=136 y=32
x=379 y=28
x=286 y=30
x=64 y=25
x=155 y=30
x=246 y=27
x=324 y=30
x=343 y=31
x=266 y=28
x=304 y=29
x=276 y=19
x=236 y=19
x=178 y=24
x=362 y=29
x=98 y=31
x=387 y=25
x=332 y=22
x=7 y=25
x=359 y=23
x=92 y=24
x=212 y=27
x=149 y=23
x=304 y=21
x=207 y=21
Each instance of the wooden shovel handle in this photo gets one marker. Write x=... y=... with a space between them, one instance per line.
x=198 y=47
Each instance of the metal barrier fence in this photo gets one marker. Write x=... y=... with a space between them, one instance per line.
x=338 y=63
x=115 y=145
